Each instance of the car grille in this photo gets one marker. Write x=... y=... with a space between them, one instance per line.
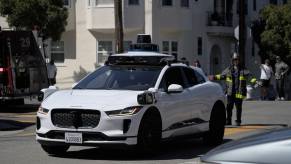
x=75 y=118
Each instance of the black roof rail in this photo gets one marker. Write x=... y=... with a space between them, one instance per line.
x=170 y=61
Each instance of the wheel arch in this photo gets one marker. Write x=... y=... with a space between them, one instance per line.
x=218 y=105
x=155 y=111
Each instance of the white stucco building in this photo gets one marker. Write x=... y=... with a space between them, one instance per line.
x=195 y=29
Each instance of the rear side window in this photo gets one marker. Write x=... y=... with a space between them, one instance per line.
x=190 y=76
x=172 y=76
x=199 y=77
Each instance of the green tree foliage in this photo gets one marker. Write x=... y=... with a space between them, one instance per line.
x=48 y=15
x=273 y=32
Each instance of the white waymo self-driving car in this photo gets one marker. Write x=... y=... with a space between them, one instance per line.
x=136 y=98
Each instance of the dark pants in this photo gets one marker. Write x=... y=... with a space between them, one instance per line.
x=280 y=87
x=52 y=81
x=231 y=100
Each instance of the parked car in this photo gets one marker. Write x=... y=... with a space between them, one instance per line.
x=268 y=148
x=136 y=98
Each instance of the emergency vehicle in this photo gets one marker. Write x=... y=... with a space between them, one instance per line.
x=22 y=66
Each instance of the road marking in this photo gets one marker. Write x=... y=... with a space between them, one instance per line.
x=25 y=134
x=242 y=129
x=26 y=121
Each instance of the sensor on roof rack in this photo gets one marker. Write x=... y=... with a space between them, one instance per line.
x=138 y=60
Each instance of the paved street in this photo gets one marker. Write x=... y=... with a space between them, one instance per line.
x=18 y=144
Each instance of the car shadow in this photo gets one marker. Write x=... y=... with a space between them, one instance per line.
x=187 y=149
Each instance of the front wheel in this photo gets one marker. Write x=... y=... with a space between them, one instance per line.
x=55 y=150
x=216 y=126
x=149 y=134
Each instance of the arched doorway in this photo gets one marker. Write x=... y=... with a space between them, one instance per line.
x=215 y=60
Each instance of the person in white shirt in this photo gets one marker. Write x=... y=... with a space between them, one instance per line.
x=266 y=74
x=52 y=72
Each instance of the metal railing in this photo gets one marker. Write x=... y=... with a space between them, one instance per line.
x=219 y=19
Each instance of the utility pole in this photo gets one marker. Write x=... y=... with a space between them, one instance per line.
x=118 y=26
x=242 y=31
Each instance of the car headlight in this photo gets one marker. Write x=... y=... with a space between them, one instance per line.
x=124 y=112
x=42 y=110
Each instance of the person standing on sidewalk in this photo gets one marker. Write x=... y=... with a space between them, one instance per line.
x=197 y=63
x=281 y=69
x=52 y=72
x=235 y=77
x=266 y=74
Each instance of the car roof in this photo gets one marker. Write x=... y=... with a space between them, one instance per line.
x=140 y=58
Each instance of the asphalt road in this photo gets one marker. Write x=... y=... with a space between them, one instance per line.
x=18 y=145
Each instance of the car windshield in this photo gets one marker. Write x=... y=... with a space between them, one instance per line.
x=121 y=78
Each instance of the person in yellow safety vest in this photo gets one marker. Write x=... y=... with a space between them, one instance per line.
x=235 y=77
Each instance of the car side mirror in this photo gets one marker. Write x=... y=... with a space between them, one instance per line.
x=146 y=98
x=46 y=92
x=175 y=88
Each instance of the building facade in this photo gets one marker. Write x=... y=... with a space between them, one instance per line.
x=194 y=29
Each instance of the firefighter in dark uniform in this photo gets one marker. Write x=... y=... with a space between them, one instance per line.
x=235 y=77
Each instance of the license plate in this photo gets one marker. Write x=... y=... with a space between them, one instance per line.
x=73 y=138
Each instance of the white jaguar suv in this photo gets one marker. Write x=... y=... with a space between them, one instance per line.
x=136 y=98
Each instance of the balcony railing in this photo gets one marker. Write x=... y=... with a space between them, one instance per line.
x=219 y=19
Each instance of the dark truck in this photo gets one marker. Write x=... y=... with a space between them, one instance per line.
x=22 y=67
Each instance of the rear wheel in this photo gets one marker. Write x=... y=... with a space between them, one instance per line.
x=55 y=150
x=149 y=134
x=216 y=126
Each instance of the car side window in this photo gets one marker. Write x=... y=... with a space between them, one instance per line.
x=199 y=77
x=190 y=76
x=172 y=76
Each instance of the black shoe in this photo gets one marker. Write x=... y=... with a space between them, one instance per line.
x=228 y=122
x=237 y=123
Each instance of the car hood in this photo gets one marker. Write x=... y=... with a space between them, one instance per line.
x=92 y=99
x=271 y=147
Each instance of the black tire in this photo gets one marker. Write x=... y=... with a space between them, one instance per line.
x=216 y=126
x=55 y=150
x=149 y=133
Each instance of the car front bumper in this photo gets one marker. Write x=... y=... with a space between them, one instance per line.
x=121 y=130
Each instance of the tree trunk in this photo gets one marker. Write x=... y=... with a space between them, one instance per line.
x=118 y=26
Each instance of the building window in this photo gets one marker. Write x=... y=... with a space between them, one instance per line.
x=255 y=5
x=104 y=3
x=169 y=47
x=104 y=50
x=165 y=47
x=174 y=48
x=67 y=3
x=133 y=2
x=185 y=3
x=199 y=46
x=126 y=45
x=274 y=2
x=167 y=2
x=58 y=51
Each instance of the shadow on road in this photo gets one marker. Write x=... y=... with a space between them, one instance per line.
x=19 y=108
x=10 y=125
x=170 y=150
